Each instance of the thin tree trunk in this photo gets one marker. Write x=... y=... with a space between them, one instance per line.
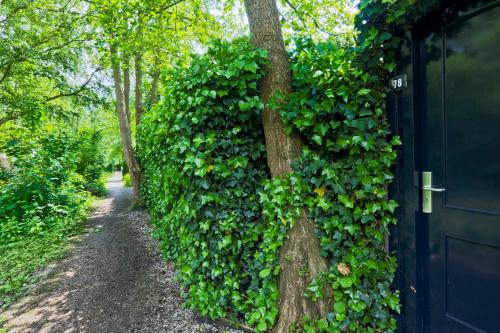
x=139 y=105
x=301 y=250
x=125 y=132
x=4 y=161
x=126 y=86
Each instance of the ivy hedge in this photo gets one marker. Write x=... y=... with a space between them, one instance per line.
x=342 y=176
x=205 y=163
x=222 y=219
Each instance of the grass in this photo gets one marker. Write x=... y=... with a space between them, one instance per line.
x=20 y=260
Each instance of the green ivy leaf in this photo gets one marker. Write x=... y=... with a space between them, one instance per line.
x=264 y=273
x=339 y=307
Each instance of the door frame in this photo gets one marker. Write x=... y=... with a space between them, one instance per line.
x=408 y=239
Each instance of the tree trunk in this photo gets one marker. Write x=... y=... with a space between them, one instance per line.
x=139 y=105
x=126 y=86
x=301 y=250
x=125 y=132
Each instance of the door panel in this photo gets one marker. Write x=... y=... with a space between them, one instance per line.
x=468 y=298
x=461 y=146
x=472 y=111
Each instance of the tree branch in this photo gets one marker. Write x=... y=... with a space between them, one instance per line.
x=76 y=92
x=14 y=11
x=167 y=6
x=63 y=45
x=315 y=22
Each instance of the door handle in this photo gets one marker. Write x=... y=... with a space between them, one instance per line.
x=433 y=189
x=427 y=190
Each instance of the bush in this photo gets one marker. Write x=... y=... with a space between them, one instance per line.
x=126 y=180
x=204 y=159
x=41 y=201
x=90 y=162
x=222 y=219
x=96 y=188
x=42 y=186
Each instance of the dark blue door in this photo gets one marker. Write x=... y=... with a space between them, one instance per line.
x=460 y=146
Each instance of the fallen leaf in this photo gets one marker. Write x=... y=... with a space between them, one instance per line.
x=343 y=269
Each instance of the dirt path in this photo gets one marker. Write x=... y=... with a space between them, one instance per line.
x=112 y=281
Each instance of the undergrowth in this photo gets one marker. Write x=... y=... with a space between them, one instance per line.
x=126 y=180
x=44 y=198
x=20 y=261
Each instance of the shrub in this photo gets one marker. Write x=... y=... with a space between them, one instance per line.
x=41 y=204
x=222 y=219
x=42 y=190
x=126 y=180
x=204 y=159
x=90 y=162
x=96 y=188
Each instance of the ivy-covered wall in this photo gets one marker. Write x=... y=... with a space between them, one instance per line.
x=221 y=218
x=204 y=157
x=343 y=175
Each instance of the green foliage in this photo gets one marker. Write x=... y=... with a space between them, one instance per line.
x=41 y=48
x=319 y=19
x=41 y=188
x=126 y=180
x=204 y=159
x=342 y=178
x=19 y=260
x=222 y=219
x=90 y=162
x=43 y=200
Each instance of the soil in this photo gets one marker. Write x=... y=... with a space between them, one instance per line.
x=112 y=280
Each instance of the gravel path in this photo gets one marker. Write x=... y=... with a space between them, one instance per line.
x=114 y=280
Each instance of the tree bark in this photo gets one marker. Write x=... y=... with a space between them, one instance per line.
x=125 y=132
x=301 y=249
x=139 y=104
x=126 y=86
